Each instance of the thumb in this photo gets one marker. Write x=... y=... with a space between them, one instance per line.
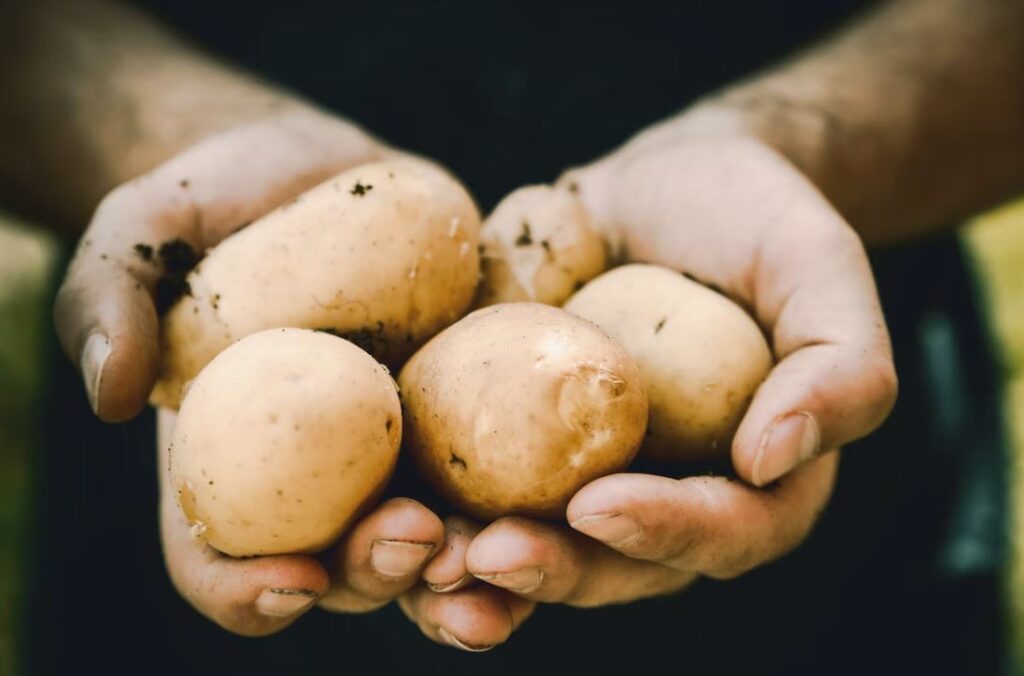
x=104 y=312
x=110 y=330
x=147 y=233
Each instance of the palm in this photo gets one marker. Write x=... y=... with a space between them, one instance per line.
x=736 y=216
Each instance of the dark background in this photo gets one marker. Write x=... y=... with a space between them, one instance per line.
x=902 y=573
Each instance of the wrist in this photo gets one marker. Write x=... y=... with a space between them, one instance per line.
x=800 y=133
x=845 y=161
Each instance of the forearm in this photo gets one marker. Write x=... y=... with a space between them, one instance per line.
x=910 y=120
x=96 y=93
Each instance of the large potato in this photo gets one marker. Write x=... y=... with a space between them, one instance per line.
x=538 y=245
x=384 y=255
x=281 y=441
x=514 y=408
x=701 y=356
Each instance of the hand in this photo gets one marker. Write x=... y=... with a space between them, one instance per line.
x=386 y=555
x=695 y=196
x=107 y=320
x=105 y=313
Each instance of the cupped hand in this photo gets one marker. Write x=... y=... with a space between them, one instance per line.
x=699 y=197
x=107 y=319
x=146 y=233
x=399 y=551
x=695 y=195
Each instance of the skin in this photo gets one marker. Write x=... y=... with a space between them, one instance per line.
x=766 y=190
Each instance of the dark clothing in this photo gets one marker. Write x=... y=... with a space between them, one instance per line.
x=900 y=576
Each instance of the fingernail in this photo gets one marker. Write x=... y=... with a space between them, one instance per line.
x=395 y=558
x=94 y=356
x=521 y=581
x=452 y=641
x=447 y=586
x=284 y=602
x=611 y=529
x=786 y=443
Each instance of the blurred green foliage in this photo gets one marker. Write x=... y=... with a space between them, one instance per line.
x=26 y=260
x=996 y=240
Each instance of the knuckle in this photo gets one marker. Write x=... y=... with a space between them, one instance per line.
x=580 y=600
x=847 y=239
x=115 y=200
x=730 y=565
x=883 y=383
x=877 y=387
x=66 y=309
x=575 y=593
x=674 y=551
x=787 y=536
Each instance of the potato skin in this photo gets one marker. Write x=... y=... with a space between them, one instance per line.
x=384 y=255
x=538 y=245
x=701 y=356
x=514 y=408
x=282 y=440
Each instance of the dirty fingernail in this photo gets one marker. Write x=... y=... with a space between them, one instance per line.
x=396 y=558
x=94 y=356
x=284 y=602
x=519 y=581
x=786 y=443
x=612 y=529
x=452 y=641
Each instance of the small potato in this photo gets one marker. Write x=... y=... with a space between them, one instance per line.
x=384 y=255
x=701 y=356
x=282 y=440
x=515 y=407
x=538 y=245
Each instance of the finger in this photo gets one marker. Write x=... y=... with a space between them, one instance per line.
x=251 y=597
x=108 y=326
x=835 y=380
x=474 y=620
x=709 y=525
x=147 y=234
x=737 y=216
x=447 y=572
x=383 y=555
x=552 y=564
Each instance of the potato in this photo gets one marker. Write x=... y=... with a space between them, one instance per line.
x=384 y=255
x=538 y=245
x=282 y=440
x=515 y=407
x=701 y=356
